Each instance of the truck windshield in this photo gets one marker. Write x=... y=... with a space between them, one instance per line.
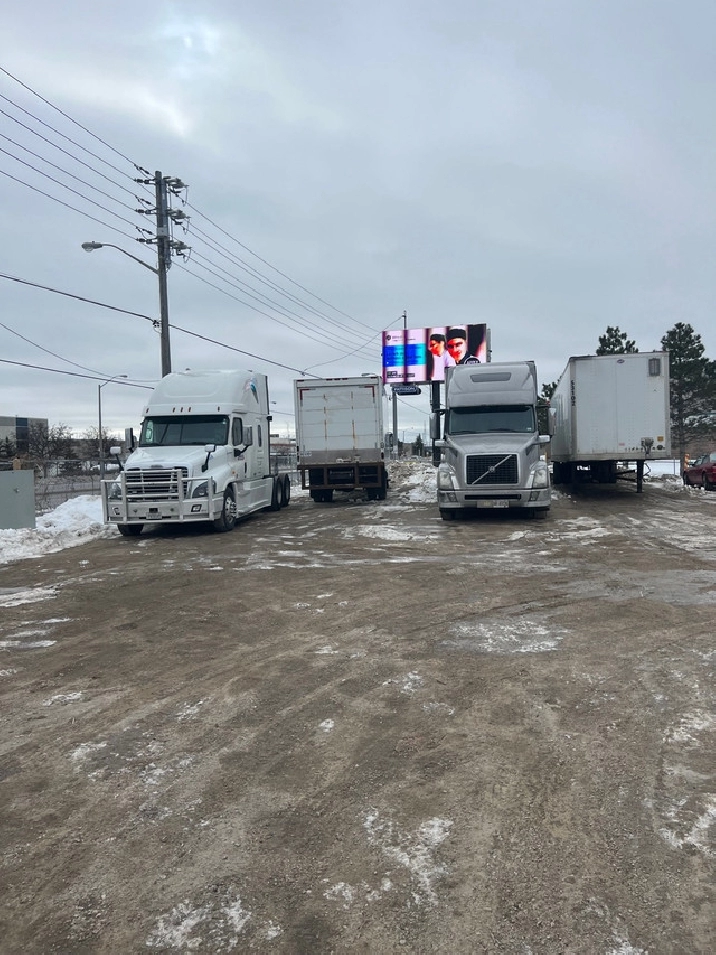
x=190 y=429
x=519 y=419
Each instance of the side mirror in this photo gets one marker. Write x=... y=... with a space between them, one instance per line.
x=115 y=451
x=434 y=426
x=544 y=439
x=129 y=442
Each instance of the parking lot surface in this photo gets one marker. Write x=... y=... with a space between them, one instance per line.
x=353 y=727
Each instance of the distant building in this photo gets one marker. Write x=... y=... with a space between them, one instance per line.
x=17 y=430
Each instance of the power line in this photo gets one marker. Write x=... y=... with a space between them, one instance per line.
x=72 y=374
x=69 y=138
x=244 y=266
x=278 y=271
x=66 y=172
x=70 y=189
x=68 y=206
x=154 y=321
x=262 y=300
x=66 y=152
x=74 y=121
x=47 y=350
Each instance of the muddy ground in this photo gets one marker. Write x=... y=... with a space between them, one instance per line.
x=354 y=727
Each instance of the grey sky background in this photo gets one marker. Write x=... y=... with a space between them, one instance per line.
x=545 y=167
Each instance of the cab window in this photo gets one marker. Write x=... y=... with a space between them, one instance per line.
x=237 y=432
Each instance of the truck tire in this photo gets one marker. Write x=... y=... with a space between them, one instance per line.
x=317 y=496
x=286 y=491
x=447 y=514
x=382 y=491
x=227 y=519
x=276 y=495
x=540 y=513
x=130 y=530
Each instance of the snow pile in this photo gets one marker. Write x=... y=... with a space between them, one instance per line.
x=72 y=523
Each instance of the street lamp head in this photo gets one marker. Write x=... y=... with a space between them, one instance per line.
x=91 y=246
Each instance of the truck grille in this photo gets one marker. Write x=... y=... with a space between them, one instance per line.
x=158 y=484
x=491 y=469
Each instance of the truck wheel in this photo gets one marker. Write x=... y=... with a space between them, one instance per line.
x=382 y=492
x=286 y=491
x=328 y=496
x=317 y=496
x=130 y=530
x=227 y=519
x=276 y=495
x=447 y=515
x=540 y=514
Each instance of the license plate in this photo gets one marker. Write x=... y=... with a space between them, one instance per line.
x=500 y=503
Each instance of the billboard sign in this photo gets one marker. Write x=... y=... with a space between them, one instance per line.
x=417 y=356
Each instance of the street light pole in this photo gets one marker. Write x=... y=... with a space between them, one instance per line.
x=161 y=272
x=99 y=421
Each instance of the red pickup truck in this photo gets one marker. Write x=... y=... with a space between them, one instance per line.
x=702 y=472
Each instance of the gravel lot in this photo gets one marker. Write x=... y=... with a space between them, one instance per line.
x=354 y=727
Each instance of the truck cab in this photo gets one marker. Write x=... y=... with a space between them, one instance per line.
x=202 y=456
x=491 y=445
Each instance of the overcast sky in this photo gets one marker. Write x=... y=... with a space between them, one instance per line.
x=548 y=168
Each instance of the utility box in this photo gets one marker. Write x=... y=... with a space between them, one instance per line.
x=17 y=500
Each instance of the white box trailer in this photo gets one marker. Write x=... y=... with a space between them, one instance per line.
x=610 y=412
x=339 y=436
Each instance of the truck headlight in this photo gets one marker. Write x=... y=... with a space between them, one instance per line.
x=115 y=491
x=540 y=476
x=445 y=478
x=202 y=490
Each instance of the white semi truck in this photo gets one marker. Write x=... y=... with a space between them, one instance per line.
x=203 y=455
x=339 y=436
x=610 y=412
x=491 y=442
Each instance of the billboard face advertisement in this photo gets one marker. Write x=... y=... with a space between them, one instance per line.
x=417 y=356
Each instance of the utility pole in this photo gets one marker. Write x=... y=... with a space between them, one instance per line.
x=163 y=263
x=395 y=400
x=163 y=185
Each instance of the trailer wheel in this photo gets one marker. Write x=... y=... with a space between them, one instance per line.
x=316 y=496
x=227 y=519
x=130 y=530
x=286 y=491
x=328 y=496
x=382 y=491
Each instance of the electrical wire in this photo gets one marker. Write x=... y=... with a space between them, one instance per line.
x=70 y=189
x=70 y=155
x=154 y=321
x=262 y=300
x=278 y=271
x=69 y=139
x=72 y=374
x=67 y=205
x=66 y=172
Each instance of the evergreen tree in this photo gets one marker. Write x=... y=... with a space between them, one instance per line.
x=615 y=342
x=693 y=382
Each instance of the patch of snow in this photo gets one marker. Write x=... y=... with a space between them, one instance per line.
x=75 y=522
